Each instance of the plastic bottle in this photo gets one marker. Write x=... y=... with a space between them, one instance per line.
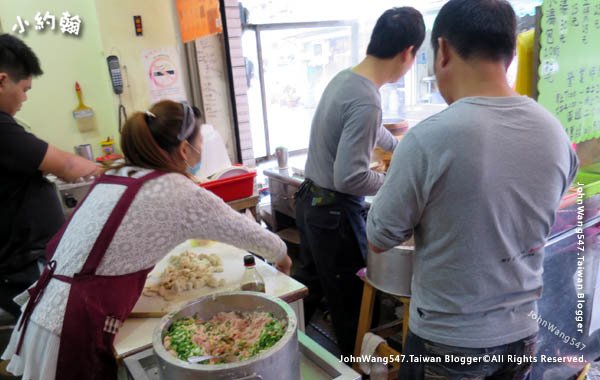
x=252 y=280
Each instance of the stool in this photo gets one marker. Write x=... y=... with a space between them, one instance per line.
x=584 y=372
x=366 y=318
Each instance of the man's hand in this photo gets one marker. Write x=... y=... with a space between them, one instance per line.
x=99 y=171
x=379 y=166
x=284 y=265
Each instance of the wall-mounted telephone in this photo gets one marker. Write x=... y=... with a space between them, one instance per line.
x=116 y=77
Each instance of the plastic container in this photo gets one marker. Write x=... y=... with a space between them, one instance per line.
x=214 y=152
x=108 y=146
x=232 y=188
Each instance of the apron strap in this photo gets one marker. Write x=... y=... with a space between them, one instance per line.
x=35 y=293
x=116 y=217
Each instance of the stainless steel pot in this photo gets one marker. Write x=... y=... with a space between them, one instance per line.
x=278 y=362
x=391 y=271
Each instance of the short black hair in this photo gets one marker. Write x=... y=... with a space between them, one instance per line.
x=395 y=30
x=484 y=29
x=17 y=59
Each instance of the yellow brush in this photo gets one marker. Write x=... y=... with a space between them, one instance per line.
x=84 y=115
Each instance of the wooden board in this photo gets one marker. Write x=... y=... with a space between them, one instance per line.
x=276 y=283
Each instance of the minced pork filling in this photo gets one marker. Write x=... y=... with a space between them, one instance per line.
x=233 y=336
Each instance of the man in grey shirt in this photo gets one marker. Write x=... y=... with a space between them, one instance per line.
x=329 y=205
x=345 y=129
x=478 y=185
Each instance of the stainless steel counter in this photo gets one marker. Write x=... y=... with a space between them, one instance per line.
x=291 y=176
x=283 y=184
x=70 y=194
x=316 y=363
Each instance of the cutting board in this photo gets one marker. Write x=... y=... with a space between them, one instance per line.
x=276 y=283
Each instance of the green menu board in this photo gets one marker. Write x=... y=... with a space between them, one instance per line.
x=569 y=72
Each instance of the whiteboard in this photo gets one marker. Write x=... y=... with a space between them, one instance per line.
x=214 y=86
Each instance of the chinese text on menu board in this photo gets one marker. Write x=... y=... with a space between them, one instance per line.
x=569 y=84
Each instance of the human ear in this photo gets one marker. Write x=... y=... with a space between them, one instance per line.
x=182 y=151
x=3 y=79
x=406 y=56
x=443 y=52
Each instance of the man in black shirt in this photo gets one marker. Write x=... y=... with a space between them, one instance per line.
x=30 y=212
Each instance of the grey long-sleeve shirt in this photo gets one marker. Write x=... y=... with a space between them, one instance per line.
x=345 y=129
x=478 y=184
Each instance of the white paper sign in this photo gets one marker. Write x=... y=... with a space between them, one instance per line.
x=164 y=74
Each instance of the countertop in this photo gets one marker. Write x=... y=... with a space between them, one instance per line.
x=316 y=363
x=136 y=333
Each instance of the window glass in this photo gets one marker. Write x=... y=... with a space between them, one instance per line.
x=298 y=60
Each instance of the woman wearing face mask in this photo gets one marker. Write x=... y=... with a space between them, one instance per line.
x=132 y=217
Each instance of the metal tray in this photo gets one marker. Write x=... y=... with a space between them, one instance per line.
x=316 y=363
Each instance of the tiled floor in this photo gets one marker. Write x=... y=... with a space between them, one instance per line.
x=320 y=330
